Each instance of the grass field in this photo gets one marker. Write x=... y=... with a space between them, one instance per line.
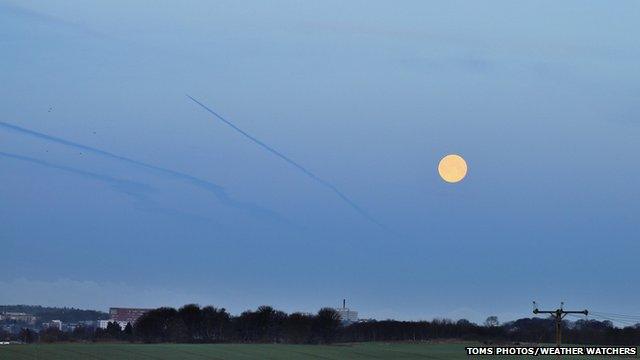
x=242 y=351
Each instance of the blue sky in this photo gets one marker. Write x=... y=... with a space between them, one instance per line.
x=541 y=99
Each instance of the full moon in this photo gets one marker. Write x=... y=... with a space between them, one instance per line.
x=452 y=168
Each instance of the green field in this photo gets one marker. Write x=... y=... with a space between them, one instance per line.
x=240 y=351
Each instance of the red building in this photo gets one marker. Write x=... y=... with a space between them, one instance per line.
x=126 y=315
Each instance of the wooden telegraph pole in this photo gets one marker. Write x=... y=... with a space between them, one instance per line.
x=558 y=315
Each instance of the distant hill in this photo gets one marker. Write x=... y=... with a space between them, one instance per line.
x=67 y=315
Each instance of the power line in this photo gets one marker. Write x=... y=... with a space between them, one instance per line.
x=629 y=322
x=613 y=320
x=616 y=315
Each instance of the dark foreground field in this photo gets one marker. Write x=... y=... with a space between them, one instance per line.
x=241 y=351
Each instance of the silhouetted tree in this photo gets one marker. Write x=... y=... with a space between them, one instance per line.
x=193 y=321
x=298 y=328
x=127 y=332
x=157 y=325
x=52 y=334
x=326 y=325
x=82 y=333
x=113 y=330
x=269 y=324
x=491 y=321
x=215 y=324
x=27 y=336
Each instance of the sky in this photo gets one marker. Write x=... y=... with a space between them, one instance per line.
x=117 y=190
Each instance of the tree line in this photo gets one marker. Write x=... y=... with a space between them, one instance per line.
x=191 y=323
x=194 y=324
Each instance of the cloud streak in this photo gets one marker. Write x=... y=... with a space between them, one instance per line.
x=50 y=20
x=215 y=189
x=131 y=188
x=138 y=191
x=296 y=165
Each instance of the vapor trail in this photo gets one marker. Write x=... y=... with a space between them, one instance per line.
x=132 y=188
x=282 y=156
x=139 y=191
x=217 y=190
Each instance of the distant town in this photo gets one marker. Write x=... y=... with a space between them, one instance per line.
x=18 y=318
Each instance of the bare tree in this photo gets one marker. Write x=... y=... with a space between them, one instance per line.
x=491 y=321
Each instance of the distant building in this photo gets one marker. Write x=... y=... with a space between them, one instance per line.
x=18 y=317
x=91 y=324
x=347 y=316
x=102 y=324
x=69 y=326
x=87 y=324
x=127 y=314
x=122 y=316
x=56 y=324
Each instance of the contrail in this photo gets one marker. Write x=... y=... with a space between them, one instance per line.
x=138 y=191
x=282 y=156
x=217 y=190
x=132 y=188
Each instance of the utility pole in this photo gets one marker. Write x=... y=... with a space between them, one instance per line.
x=558 y=315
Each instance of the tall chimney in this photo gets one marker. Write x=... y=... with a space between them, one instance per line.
x=344 y=303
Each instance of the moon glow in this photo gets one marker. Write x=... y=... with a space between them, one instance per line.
x=452 y=168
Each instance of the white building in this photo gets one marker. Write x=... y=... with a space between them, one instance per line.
x=102 y=324
x=18 y=317
x=56 y=324
x=346 y=315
